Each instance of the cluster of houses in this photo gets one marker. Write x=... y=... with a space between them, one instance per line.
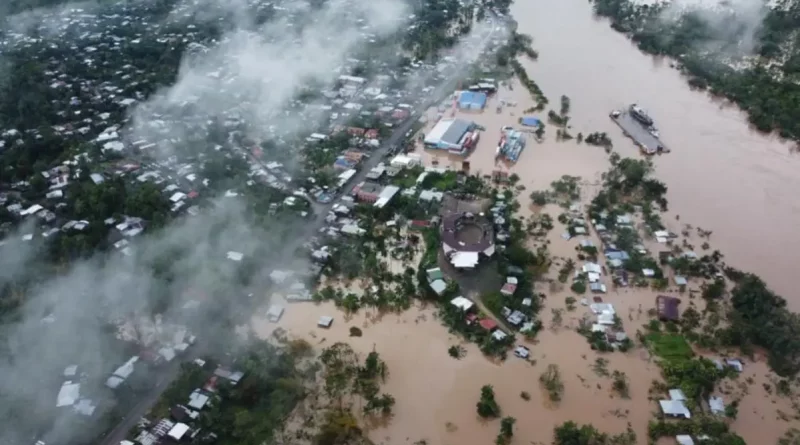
x=110 y=73
x=158 y=344
x=69 y=395
x=489 y=325
x=181 y=425
x=376 y=190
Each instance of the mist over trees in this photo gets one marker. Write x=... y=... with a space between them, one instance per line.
x=747 y=54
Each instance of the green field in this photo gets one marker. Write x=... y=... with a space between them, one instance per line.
x=669 y=346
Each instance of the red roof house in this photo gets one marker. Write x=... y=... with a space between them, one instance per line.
x=508 y=289
x=488 y=324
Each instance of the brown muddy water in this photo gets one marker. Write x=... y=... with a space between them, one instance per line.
x=436 y=394
x=721 y=175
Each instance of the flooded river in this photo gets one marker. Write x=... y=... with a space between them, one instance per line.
x=721 y=175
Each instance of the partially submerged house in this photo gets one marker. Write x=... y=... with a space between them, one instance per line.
x=274 y=313
x=716 y=405
x=325 y=321
x=675 y=406
x=667 y=308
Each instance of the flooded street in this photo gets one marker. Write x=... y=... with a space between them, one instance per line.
x=721 y=175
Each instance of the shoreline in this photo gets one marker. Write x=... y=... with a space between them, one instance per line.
x=714 y=147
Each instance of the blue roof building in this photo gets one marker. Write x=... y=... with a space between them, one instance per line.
x=471 y=100
x=529 y=121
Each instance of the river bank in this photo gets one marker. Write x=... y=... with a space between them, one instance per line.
x=722 y=175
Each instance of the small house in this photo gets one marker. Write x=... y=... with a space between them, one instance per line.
x=668 y=308
x=178 y=431
x=274 y=313
x=487 y=324
x=197 y=400
x=325 y=321
x=716 y=405
x=462 y=303
x=675 y=408
x=499 y=335
x=516 y=318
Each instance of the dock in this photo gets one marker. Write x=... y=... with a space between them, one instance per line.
x=641 y=135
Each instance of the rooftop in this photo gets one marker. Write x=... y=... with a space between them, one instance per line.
x=448 y=131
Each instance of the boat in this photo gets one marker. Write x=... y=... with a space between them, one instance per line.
x=640 y=115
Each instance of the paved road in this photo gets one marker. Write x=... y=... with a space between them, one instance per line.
x=440 y=92
x=165 y=376
x=171 y=370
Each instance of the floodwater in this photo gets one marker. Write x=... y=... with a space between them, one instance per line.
x=436 y=394
x=722 y=175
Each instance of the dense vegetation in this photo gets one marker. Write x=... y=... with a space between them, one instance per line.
x=766 y=87
x=251 y=411
x=760 y=318
x=570 y=433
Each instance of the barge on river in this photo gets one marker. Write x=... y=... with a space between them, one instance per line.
x=639 y=126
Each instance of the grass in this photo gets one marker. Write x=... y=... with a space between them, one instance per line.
x=669 y=346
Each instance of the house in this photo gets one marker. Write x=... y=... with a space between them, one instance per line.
x=471 y=100
x=716 y=405
x=197 y=400
x=69 y=394
x=325 y=321
x=462 y=303
x=499 y=335
x=232 y=376
x=274 y=313
x=516 y=318
x=436 y=280
x=71 y=371
x=508 y=289
x=178 y=431
x=522 y=352
x=598 y=288
x=368 y=191
x=675 y=408
x=352 y=229
x=487 y=324
x=735 y=364
x=684 y=439
x=431 y=196
x=85 y=407
x=668 y=308
x=376 y=172
x=386 y=195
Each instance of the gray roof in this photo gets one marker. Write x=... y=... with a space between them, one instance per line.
x=456 y=131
